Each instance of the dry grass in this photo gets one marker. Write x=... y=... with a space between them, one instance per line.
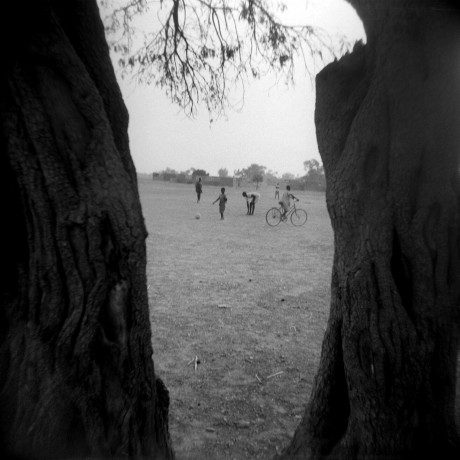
x=249 y=301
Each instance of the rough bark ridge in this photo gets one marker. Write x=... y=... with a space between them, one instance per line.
x=387 y=118
x=76 y=371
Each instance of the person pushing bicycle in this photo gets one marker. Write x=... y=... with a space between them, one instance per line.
x=286 y=201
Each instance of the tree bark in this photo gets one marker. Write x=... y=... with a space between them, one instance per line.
x=77 y=377
x=387 y=118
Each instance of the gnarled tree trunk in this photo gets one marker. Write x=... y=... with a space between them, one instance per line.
x=76 y=372
x=388 y=127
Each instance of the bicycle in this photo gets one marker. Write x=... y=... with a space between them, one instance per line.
x=298 y=216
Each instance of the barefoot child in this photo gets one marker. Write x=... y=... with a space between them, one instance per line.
x=222 y=199
x=251 y=199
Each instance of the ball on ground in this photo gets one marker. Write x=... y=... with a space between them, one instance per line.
x=197 y=215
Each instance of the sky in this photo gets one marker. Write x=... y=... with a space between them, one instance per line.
x=275 y=127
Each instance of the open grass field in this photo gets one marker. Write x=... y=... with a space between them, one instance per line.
x=249 y=303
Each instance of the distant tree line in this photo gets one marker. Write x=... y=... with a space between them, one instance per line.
x=314 y=179
x=191 y=175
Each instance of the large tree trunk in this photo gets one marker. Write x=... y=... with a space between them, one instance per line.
x=388 y=127
x=76 y=371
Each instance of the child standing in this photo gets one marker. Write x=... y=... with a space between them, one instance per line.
x=198 y=189
x=222 y=199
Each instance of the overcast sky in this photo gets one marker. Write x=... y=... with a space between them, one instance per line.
x=275 y=127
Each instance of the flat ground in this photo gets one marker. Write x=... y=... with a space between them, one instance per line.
x=249 y=303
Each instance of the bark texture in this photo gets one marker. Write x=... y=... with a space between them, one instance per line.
x=387 y=118
x=76 y=371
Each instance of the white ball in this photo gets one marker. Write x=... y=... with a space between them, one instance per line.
x=197 y=215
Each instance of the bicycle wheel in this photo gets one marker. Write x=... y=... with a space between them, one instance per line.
x=299 y=217
x=273 y=217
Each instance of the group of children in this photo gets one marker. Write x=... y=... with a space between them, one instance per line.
x=251 y=199
x=222 y=198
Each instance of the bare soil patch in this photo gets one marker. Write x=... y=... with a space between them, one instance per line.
x=248 y=304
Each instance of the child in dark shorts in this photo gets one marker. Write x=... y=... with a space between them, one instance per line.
x=222 y=199
x=251 y=200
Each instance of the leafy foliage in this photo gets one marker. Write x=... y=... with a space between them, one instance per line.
x=198 y=49
x=199 y=173
x=255 y=173
x=271 y=175
x=313 y=166
x=288 y=176
x=239 y=173
x=223 y=172
x=315 y=174
x=168 y=170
